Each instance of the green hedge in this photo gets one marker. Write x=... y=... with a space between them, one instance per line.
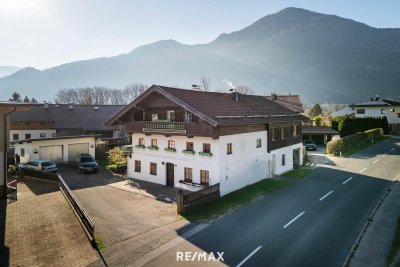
x=345 y=143
x=354 y=125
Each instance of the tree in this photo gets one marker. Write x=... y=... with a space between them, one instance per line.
x=15 y=97
x=26 y=99
x=244 y=90
x=315 y=111
x=33 y=100
x=205 y=83
x=133 y=90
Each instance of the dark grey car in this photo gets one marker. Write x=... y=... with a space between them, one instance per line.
x=310 y=145
x=85 y=163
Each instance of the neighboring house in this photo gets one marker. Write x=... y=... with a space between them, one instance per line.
x=57 y=149
x=380 y=108
x=292 y=102
x=52 y=120
x=346 y=111
x=192 y=139
x=320 y=134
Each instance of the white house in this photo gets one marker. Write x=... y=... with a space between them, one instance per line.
x=192 y=139
x=377 y=108
x=57 y=149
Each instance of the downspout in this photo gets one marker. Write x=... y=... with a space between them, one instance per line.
x=6 y=150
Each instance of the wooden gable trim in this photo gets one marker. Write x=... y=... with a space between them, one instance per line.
x=155 y=88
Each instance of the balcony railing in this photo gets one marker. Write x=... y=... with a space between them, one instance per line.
x=164 y=127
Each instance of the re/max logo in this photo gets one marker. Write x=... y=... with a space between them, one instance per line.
x=199 y=256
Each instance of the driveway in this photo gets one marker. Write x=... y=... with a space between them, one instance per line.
x=319 y=156
x=127 y=214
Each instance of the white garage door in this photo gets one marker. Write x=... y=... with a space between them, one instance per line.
x=53 y=153
x=75 y=149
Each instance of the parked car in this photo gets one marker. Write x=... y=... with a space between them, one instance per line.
x=40 y=165
x=310 y=145
x=85 y=163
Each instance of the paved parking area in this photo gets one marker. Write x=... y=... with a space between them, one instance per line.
x=127 y=215
x=42 y=230
x=320 y=157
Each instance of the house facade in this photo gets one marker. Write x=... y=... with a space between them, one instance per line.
x=377 y=108
x=192 y=139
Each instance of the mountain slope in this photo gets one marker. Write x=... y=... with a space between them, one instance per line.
x=324 y=58
x=7 y=70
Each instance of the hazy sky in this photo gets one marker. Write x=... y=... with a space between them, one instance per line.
x=46 y=33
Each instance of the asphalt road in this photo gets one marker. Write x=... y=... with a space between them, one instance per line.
x=313 y=223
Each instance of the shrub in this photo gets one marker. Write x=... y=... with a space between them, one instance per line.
x=345 y=143
x=116 y=157
x=354 y=125
x=317 y=120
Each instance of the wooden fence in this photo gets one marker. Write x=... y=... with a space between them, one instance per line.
x=187 y=201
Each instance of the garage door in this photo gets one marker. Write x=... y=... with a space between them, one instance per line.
x=74 y=149
x=53 y=153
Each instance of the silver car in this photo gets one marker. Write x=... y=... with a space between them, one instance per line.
x=40 y=165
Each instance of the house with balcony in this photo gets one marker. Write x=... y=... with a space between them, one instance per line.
x=193 y=139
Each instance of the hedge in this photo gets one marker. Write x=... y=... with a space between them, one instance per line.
x=355 y=125
x=345 y=143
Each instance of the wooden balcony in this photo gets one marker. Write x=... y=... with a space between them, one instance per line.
x=164 y=127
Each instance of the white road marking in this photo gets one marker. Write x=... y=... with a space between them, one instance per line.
x=384 y=154
x=363 y=169
x=347 y=180
x=392 y=149
x=375 y=161
x=248 y=257
x=322 y=198
x=295 y=218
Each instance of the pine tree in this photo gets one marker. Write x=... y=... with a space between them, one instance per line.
x=26 y=99
x=15 y=97
x=315 y=111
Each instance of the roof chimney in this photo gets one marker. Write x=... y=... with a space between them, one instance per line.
x=274 y=96
x=70 y=107
x=196 y=87
x=235 y=96
x=46 y=105
x=377 y=98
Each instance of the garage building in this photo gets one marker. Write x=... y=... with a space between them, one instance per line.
x=57 y=149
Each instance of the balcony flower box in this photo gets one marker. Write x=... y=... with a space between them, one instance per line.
x=170 y=149
x=152 y=147
x=206 y=154
x=190 y=152
x=140 y=146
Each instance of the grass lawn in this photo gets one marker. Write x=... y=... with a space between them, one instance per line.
x=395 y=245
x=297 y=173
x=362 y=146
x=220 y=206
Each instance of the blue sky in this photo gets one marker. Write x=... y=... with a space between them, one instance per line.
x=46 y=33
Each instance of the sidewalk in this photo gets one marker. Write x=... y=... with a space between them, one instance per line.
x=376 y=243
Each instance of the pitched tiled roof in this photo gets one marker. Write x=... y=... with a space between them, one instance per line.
x=371 y=103
x=391 y=102
x=221 y=108
x=85 y=117
x=318 y=130
x=292 y=102
x=343 y=112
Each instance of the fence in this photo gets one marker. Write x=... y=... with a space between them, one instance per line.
x=187 y=201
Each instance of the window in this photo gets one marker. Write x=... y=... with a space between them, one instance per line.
x=42 y=135
x=258 y=142
x=398 y=115
x=171 y=115
x=273 y=134
x=15 y=136
x=189 y=146
x=188 y=174
x=54 y=134
x=296 y=130
x=283 y=160
x=392 y=110
x=22 y=154
x=188 y=117
x=383 y=111
x=138 y=166
x=27 y=136
x=171 y=144
x=154 y=142
x=283 y=132
x=206 y=148
x=229 y=148
x=154 y=116
x=153 y=168
x=141 y=141
x=204 y=177
x=360 y=111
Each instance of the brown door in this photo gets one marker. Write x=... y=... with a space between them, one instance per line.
x=170 y=174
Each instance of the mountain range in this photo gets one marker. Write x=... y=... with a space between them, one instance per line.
x=324 y=58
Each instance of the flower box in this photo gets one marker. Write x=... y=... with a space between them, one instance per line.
x=170 y=149
x=207 y=154
x=152 y=147
x=140 y=146
x=190 y=152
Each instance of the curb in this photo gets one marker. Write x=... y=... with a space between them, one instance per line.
x=365 y=227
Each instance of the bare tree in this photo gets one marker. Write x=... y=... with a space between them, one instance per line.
x=205 y=83
x=133 y=90
x=245 y=90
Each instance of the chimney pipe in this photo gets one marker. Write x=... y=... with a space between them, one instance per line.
x=235 y=96
x=70 y=107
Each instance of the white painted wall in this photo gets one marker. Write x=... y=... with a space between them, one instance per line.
x=246 y=165
x=178 y=158
x=288 y=152
x=36 y=144
x=35 y=134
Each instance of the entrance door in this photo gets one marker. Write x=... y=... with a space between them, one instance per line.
x=170 y=174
